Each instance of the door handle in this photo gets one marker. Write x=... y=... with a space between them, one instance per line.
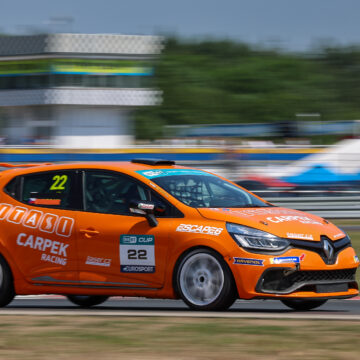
x=89 y=232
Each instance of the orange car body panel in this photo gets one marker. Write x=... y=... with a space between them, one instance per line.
x=52 y=250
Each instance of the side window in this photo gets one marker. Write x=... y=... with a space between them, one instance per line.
x=107 y=192
x=50 y=189
x=164 y=208
x=12 y=188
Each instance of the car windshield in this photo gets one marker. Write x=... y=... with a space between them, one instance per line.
x=202 y=190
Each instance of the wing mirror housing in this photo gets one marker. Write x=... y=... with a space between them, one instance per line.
x=146 y=209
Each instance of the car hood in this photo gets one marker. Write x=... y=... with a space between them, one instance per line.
x=286 y=223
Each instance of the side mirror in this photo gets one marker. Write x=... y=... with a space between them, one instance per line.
x=144 y=208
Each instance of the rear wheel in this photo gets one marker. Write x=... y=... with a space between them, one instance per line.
x=7 y=292
x=303 y=305
x=205 y=282
x=87 y=300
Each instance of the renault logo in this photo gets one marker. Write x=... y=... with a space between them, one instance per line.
x=328 y=250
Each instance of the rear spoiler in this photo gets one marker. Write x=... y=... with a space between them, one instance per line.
x=7 y=165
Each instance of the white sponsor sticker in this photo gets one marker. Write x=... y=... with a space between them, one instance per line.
x=152 y=173
x=255 y=212
x=300 y=236
x=287 y=259
x=301 y=219
x=52 y=251
x=41 y=244
x=96 y=261
x=137 y=253
x=36 y=219
x=200 y=229
x=54 y=259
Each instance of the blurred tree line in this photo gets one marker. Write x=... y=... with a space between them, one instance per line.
x=224 y=82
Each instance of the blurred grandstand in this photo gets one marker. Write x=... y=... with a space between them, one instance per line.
x=75 y=90
x=72 y=97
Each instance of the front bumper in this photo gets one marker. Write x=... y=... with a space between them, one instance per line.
x=286 y=281
x=309 y=278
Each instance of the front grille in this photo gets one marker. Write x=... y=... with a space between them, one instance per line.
x=318 y=247
x=284 y=281
x=321 y=275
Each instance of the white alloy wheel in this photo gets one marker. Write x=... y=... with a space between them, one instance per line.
x=201 y=279
x=204 y=280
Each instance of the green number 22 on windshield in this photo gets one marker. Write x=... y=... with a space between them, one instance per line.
x=59 y=182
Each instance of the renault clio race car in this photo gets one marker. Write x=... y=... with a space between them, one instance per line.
x=153 y=229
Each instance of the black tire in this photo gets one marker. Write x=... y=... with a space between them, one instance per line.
x=204 y=281
x=87 y=300
x=303 y=305
x=7 y=292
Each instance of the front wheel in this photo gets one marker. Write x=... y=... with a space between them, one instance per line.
x=303 y=305
x=205 y=282
x=87 y=300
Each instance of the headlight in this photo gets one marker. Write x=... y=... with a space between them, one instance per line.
x=346 y=239
x=251 y=238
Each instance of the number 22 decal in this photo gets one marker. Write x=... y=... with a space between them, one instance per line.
x=59 y=182
x=137 y=255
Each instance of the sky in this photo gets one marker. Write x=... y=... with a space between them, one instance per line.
x=294 y=25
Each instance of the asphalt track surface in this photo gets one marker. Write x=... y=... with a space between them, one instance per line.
x=56 y=305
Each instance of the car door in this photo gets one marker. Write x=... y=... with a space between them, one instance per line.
x=116 y=248
x=39 y=225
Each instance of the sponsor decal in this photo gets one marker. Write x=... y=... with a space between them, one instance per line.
x=16 y=215
x=144 y=206
x=284 y=215
x=287 y=259
x=137 y=269
x=137 y=253
x=300 y=236
x=32 y=219
x=301 y=219
x=246 y=261
x=254 y=212
x=49 y=248
x=48 y=223
x=64 y=226
x=152 y=174
x=356 y=259
x=36 y=219
x=199 y=229
x=5 y=209
x=44 y=201
x=96 y=261
x=153 y=185
x=53 y=259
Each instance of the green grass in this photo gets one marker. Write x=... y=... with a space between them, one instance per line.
x=65 y=337
x=355 y=241
x=90 y=338
x=354 y=235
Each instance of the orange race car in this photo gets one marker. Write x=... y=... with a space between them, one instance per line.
x=153 y=229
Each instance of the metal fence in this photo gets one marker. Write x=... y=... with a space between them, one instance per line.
x=338 y=207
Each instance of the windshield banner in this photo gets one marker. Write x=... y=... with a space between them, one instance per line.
x=152 y=174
